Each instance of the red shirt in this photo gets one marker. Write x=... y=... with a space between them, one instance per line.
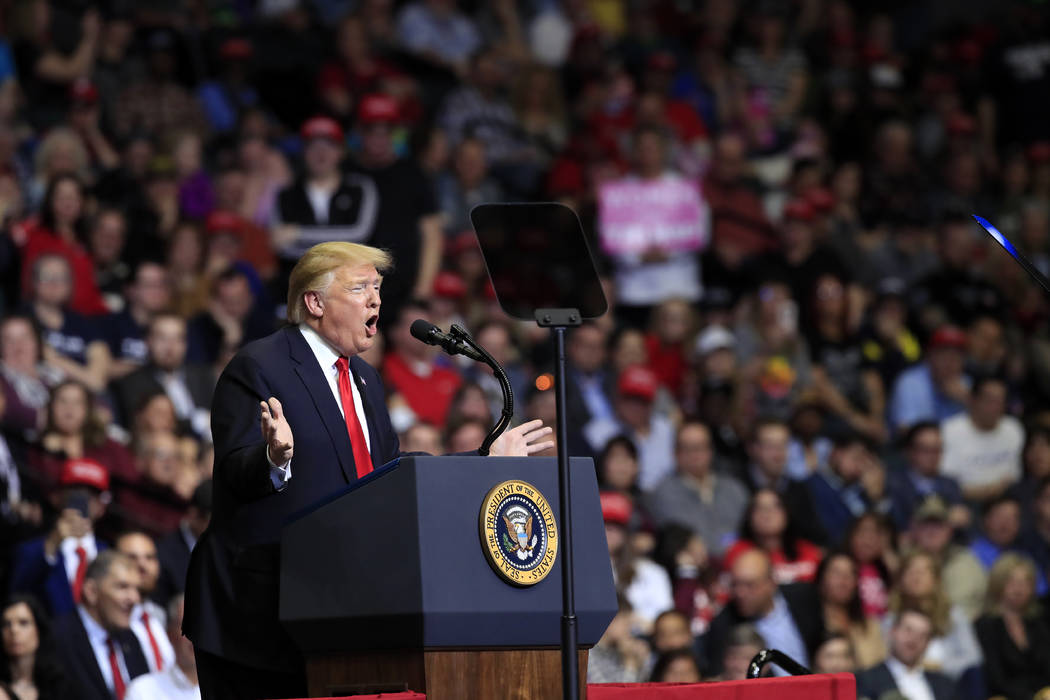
x=667 y=362
x=874 y=597
x=801 y=569
x=36 y=241
x=428 y=395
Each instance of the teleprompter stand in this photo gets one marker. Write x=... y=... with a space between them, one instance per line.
x=542 y=270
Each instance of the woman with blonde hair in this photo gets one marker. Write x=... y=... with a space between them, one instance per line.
x=953 y=649
x=1015 y=639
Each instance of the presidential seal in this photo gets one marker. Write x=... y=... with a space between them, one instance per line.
x=518 y=533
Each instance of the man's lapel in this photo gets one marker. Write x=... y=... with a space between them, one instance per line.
x=317 y=387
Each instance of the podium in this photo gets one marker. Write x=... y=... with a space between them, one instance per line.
x=386 y=586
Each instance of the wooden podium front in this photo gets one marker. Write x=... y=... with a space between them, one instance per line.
x=498 y=674
x=387 y=588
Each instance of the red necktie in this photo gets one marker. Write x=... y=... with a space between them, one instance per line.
x=114 y=665
x=362 y=460
x=153 y=641
x=78 y=578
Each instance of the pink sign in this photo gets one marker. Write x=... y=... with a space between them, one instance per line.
x=667 y=213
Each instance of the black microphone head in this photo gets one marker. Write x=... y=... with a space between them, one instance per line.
x=423 y=330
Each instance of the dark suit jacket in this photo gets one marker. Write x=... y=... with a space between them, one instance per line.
x=1010 y=671
x=906 y=498
x=802 y=602
x=232 y=584
x=130 y=389
x=871 y=684
x=174 y=556
x=49 y=583
x=80 y=664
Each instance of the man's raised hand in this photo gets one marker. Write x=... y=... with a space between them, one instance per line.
x=276 y=432
x=521 y=441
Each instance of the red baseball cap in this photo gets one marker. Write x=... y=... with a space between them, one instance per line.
x=236 y=48
x=378 y=109
x=449 y=285
x=322 y=128
x=84 y=91
x=84 y=472
x=799 y=210
x=223 y=221
x=961 y=124
x=948 y=337
x=821 y=199
x=616 y=508
x=1039 y=152
x=639 y=382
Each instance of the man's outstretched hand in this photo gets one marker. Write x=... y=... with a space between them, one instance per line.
x=276 y=432
x=521 y=441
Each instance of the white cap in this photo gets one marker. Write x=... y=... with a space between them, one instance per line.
x=715 y=338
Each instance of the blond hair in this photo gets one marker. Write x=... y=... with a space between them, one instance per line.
x=998 y=576
x=935 y=604
x=315 y=270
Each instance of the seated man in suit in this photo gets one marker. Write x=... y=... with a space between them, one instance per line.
x=188 y=386
x=147 y=619
x=95 y=645
x=52 y=568
x=173 y=550
x=901 y=673
x=787 y=617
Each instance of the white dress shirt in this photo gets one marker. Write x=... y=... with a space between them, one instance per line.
x=326 y=357
x=169 y=684
x=910 y=682
x=157 y=618
x=97 y=636
x=68 y=548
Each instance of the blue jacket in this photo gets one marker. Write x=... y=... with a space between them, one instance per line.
x=49 y=583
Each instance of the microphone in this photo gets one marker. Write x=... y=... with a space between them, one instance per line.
x=430 y=334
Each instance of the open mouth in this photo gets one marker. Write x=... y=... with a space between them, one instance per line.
x=371 y=325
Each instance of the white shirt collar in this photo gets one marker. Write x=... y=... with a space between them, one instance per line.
x=96 y=633
x=326 y=355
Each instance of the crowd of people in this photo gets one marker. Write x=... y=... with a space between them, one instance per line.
x=818 y=404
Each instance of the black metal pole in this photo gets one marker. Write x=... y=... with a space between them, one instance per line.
x=570 y=671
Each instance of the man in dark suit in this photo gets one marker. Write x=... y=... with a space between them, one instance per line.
x=901 y=673
x=188 y=386
x=302 y=390
x=98 y=651
x=787 y=617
